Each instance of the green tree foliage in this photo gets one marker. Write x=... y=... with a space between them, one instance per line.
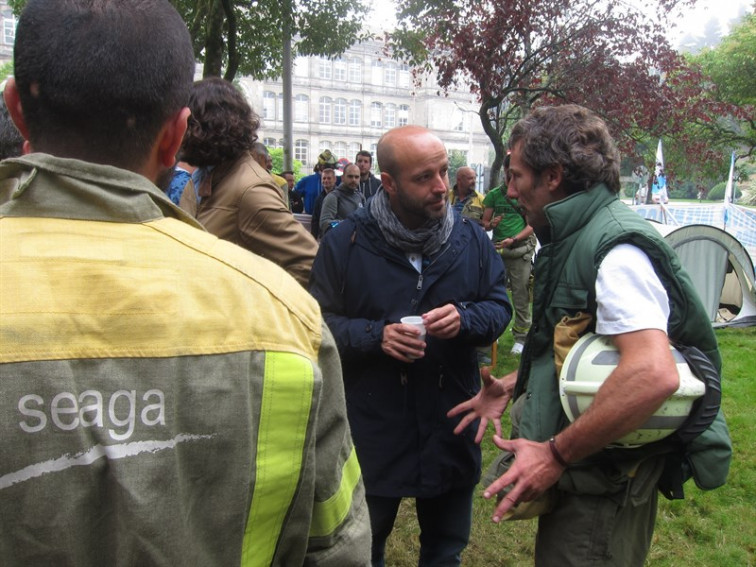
x=612 y=57
x=731 y=68
x=277 y=155
x=718 y=191
x=6 y=70
x=245 y=37
x=728 y=82
x=457 y=159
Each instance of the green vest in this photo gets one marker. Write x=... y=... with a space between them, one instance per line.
x=584 y=228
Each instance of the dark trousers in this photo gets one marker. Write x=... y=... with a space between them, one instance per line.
x=444 y=520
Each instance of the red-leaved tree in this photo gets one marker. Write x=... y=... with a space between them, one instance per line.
x=612 y=57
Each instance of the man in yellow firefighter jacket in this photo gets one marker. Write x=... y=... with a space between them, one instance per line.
x=166 y=397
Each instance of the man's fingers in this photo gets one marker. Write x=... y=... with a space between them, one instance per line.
x=462 y=425
x=506 y=504
x=481 y=430
x=497 y=427
x=503 y=444
x=459 y=408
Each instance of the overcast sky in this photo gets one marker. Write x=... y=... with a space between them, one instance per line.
x=691 y=20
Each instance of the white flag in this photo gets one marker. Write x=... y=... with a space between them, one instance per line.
x=659 y=185
x=729 y=188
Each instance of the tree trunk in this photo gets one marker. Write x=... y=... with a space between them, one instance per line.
x=214 y=41
x=233 y=54
x=493 y=135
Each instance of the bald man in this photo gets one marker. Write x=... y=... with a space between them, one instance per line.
x=464 y=198
x=407 y=253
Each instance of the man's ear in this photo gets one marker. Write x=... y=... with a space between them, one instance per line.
x=553 y=177
x=388 y=183
x=13 y=104
x=171 y=137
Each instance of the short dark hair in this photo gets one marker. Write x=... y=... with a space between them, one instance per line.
x=98 y=79
x=222 y=126
x=573 y=137
x=285 y=172
x=366 y=154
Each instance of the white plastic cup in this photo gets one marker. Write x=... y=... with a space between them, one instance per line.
x=417 y=322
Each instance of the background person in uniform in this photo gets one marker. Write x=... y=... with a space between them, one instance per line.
x=602 y=268
x=152 y=375
x=407 y=253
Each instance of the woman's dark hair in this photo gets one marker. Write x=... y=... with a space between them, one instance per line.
x=222 y=126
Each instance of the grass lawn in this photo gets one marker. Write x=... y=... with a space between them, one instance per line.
x=716 y=528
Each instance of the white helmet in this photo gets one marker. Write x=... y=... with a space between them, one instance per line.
x=593 y=358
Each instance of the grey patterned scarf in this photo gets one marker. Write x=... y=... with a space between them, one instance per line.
x=427 y=239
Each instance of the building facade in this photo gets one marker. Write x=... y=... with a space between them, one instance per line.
x=8 y=37
x=346 y=104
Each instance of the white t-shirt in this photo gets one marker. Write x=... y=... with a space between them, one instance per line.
x=629 y=294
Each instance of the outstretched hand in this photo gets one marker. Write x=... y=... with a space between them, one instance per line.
x=533 y=471
x=487 y=405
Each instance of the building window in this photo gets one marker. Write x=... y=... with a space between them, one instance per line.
x=324 y=68
x=375 y=115
x=355 y=113
x=458 y=120
x=389 y=74
x=300 y=151
x=377 y=75
x=374 y=152
x=301 y=67
x=389 y=115
x=403 y=116
x=339 y=70
x=9 y=30
x=340 y=111
x=340 y=149
x=269 y=142
x=324 y=145
x=354 y=147
x=301 y=108
x=404 y=76
x=324 y=113
x=355 y=70
x=269 y=105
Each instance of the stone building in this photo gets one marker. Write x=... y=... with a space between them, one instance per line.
x=347 y=103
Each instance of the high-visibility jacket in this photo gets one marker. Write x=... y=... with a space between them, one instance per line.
x=166 y=397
